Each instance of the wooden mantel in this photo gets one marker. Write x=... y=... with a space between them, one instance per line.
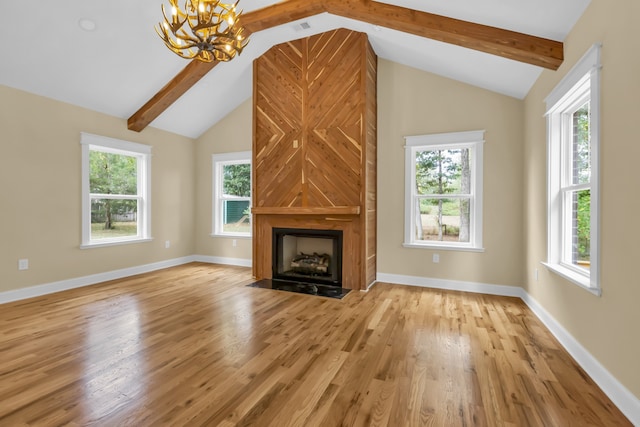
x=314 y=147
x=294 y=210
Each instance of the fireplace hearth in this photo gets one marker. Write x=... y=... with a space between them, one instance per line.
x=327 y=291
x=307 y=255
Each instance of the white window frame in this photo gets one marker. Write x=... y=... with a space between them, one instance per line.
x=581 y=84
x=474 y=140
x=218 y=162
x=90 y=142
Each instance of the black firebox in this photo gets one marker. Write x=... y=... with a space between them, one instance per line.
x=307 y=255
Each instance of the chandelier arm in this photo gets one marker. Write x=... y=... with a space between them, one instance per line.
x=205 y=26
x=185 y=46
x=226 y=56
x=209 y=15
x=217 y=39
x=218 y=35
x=169 y=41
x=179 y=49
x=165 y=37
x=186 y=37
x=185 y=56
x=178 y=22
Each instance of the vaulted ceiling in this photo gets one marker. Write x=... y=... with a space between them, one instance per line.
x=122 y=68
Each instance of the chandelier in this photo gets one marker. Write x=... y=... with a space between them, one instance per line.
x=207 y=30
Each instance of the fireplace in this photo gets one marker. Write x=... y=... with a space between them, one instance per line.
x=318 y=168
x=307 y=255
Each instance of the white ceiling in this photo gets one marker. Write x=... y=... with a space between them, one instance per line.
x=120 y=65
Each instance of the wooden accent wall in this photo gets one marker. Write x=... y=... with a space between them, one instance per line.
x=314 y=148
x=370 y=165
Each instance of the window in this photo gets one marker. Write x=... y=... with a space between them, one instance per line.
x=232 y=194
x=115 y=191
x=443 y=191
x=573 y=145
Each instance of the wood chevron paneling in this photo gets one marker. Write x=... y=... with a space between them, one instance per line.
x=315 y=138
x=278 y=126
x=335 y=106
x=311 y=86
x=370 y=165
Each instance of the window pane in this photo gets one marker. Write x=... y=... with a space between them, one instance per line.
x=112 y=173
x=113 y=218
x=581 y=146
x=446 y=220
x=580 y=228
x=443 y=172
x=235 y=216
x=236 y=180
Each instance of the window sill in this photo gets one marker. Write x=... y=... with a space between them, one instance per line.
x=574 y=277
x=232 y=236
x=113 y=243
x=442 y=247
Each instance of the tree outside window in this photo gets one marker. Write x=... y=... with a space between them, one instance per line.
x=581 y=199
x=443 y=185
x=444 y=190
x=115 y=189
x=113 y=182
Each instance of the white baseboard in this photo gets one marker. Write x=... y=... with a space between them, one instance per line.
x=451 y=285
x=626 y=401
x=240 y=262
x=78 y=282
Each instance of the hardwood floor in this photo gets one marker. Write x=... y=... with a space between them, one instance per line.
x=193 y=346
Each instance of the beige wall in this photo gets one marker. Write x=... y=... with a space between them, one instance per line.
x=231 y=134
x=40 y=213
x=412 y=102
x=606 y=326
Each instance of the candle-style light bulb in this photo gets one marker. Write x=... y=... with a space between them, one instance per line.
x=174 y=14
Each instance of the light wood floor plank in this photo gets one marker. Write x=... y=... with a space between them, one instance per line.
x=193 y=345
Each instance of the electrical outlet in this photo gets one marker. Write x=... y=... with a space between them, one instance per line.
x=167 y=244
x=23 y=264
x=436 y=258
x=234 y=243
x=535 y=274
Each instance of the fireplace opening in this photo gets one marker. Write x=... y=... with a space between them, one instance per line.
x=308 y=255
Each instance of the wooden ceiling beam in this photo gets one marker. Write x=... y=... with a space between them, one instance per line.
x=509 y=44
x=182 y=82
x=281 y=13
